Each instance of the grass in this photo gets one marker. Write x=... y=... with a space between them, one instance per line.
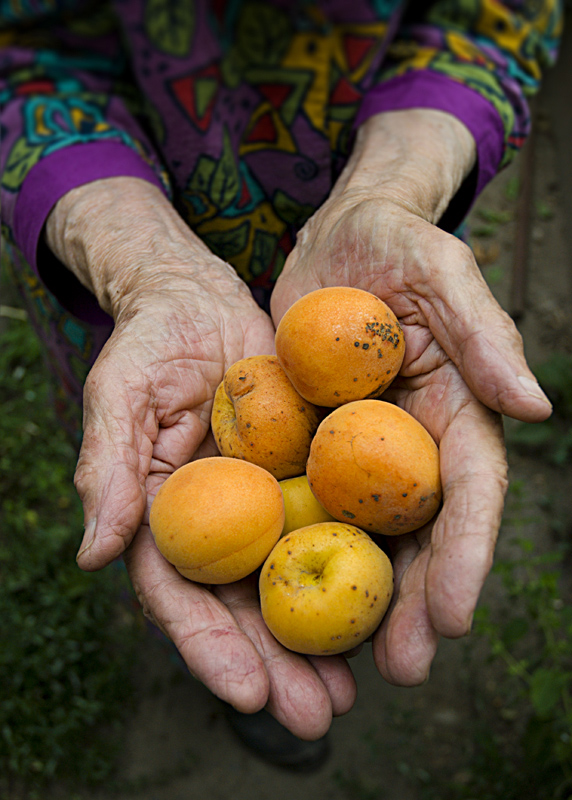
x=67 y=636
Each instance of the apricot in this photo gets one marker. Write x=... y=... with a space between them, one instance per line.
x=217 y=519
x=259 y=417
x=340 y=344
x=325 y=588
x=374 y=465
x=300 y=506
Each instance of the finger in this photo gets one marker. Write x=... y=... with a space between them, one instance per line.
x=474 y=476
x=336 y=675
x=298 y=698
x=215 y=649
x=110 y=475
x=122 y=444
x=475 y=332
x=406 y=642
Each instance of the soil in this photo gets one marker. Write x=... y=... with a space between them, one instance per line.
x=178 y=745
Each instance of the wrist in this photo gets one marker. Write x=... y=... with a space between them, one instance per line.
x=121 y=236
x=416 y=158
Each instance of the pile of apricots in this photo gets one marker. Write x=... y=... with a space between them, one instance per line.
x=313 y=467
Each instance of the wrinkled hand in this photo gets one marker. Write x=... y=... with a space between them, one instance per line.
x=463 y=367
x=182 y=317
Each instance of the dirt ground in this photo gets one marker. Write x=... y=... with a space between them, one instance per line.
x=178 y=745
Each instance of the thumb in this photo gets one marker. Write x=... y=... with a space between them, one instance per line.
x=479 y=337
x=110 y=477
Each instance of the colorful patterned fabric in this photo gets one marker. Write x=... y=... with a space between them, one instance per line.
x=243 y=111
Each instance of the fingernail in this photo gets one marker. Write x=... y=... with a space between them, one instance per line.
x=426 y=680
x=532 y=388
x=88 y=537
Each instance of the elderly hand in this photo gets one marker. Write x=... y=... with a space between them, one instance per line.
x=182 y=316
x=464 y=364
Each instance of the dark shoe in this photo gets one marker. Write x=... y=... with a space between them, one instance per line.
x=270 y=740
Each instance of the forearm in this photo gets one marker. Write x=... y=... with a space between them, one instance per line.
x=417 y=158
x=121 y=234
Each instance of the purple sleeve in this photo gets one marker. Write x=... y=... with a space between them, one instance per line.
x=48 y=180
x=427 y=89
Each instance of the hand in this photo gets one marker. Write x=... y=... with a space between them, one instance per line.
x=182 y=317
x=464 y=363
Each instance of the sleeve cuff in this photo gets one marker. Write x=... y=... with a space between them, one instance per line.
x=48 y=181
x=428 y=89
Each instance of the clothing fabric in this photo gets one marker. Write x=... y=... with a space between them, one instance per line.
x=242 y=111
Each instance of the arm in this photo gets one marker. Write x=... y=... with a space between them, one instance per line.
x=69 y=116
x=464 y=363
x=181 y=317
x=479 y=62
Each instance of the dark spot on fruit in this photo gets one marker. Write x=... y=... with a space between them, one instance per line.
x=354 y=588
x=302 y=409
x=352 y=621
x=338 y=636
x=404 y=494
x=371 y=605
x=243 y=378
x=366 y=593
x=248 y=425
x=356 y=344
x=273 y=583
x=397 y=516
x=414 y=484
x=336 y=394
x=334 y=534
x=360 y=501
x=289 y=552
x=422 y=500
x=348 y=514
x=382 y=438
x=337 y=338
x=375 y=497
x=375 y=597
x=323 y=589
x=365 y=346
x=388 y=372
x=332 y=431
x=291 y=609
x=379 y=353
x=355 y=380
x=271 y=566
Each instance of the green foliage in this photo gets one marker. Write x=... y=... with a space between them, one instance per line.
x=543 y=210
x=67 y=640
x=552 y=439
x=532 y=637
x=494 y=217
x=512 y=188
x=494 y=275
